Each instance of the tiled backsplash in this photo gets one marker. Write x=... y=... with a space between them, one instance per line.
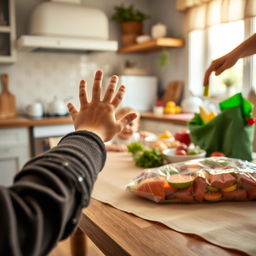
x=43 y=76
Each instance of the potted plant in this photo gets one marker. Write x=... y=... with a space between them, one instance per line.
x=131 y=22
x=229 y=83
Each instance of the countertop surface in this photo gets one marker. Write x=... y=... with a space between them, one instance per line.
x=23 y=121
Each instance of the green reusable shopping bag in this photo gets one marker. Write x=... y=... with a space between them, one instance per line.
x=228 y=132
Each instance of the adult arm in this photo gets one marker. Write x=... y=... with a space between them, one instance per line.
x=247 y=48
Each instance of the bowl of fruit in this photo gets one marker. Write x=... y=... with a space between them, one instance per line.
x=183 y=153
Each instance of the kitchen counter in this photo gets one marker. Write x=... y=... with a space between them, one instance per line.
x=27 y=122
x=181 y=119
x=20 y=121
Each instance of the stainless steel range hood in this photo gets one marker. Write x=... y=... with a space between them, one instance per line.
x=67 y=25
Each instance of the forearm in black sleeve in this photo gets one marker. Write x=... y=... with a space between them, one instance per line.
x=45 y=202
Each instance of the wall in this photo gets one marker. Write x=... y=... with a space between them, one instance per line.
x=165 y=12
x=43 y=76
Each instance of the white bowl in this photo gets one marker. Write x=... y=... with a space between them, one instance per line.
x=169 y=155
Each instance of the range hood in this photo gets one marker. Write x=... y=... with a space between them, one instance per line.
x=67 y=25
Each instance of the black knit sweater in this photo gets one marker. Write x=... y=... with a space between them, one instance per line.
x=44 y=204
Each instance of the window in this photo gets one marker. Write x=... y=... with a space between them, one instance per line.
x=207 y=45
x=254 y=58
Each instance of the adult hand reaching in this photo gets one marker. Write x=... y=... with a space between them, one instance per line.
x=246 y=48
x=219 y=65
x=98 y=116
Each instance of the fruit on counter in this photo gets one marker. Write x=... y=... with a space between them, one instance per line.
x=180 y=181
x=165 y=135
x=217 y=154
x=171 y=108
x=181 y=152
x=183 y=136
x=206 y=116
x=182 y=147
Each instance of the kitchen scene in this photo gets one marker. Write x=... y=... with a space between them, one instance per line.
x=186 y=183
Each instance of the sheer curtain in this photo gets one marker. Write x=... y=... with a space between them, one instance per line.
x=201 y=14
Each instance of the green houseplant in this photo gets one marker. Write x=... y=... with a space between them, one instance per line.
x=131 y=22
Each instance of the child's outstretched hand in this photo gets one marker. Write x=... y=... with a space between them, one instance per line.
x=98 y=116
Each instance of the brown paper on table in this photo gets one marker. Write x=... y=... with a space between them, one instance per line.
x=227 y=224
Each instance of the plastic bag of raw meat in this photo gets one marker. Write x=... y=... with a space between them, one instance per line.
x=211 y=179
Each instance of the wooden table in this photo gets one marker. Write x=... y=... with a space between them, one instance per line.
x=118 y=233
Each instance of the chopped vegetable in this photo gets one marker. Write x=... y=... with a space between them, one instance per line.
x=181 y=181
x=215 y=196
x=135 y=147
x=212 y=189
x=152 y=187
x=206 y=90
x=230 y=188
x=149 y=158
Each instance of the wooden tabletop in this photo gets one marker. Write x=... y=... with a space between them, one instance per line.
x=116 y=232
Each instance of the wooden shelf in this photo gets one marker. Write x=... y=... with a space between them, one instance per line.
x=153 y=45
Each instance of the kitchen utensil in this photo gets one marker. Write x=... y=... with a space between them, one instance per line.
x=7 y=99
x=57 y=107
x=173 y=92
x=35 y=110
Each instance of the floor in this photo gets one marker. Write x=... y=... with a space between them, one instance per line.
x=63 y=249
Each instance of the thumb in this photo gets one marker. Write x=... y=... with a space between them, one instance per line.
x=127 y=119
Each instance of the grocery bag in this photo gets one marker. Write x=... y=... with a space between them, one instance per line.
x=230 y=132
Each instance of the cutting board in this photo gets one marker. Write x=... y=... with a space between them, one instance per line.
x=252 y=99
x=7 y=99
x=173 y=92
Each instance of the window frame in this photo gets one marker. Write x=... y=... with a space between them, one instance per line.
x=249 y=29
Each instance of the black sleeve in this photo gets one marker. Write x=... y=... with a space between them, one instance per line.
x=44 y=204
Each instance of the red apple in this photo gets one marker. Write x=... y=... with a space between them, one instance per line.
x=181 y=152
x=182 y=147
x=183 y=136
x=217 y=154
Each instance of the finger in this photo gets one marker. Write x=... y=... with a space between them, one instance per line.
x=72 y=110
x=206 y=77
x=83 y=94
x=111 y=89
x=119 y=96
x=213 y=67
x=127 y=119
x=96 y=91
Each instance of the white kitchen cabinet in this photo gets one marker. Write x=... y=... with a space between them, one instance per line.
x=7 y=31
x=159 y=127
x=14 y=152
